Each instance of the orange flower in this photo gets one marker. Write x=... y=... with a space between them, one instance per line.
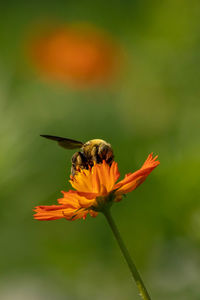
x=81 y=55
x=94 y=189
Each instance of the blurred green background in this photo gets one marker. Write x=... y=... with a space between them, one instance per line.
x=153 y=106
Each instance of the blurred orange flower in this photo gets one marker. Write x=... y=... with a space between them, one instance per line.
x=94 y=189
x=78 y=54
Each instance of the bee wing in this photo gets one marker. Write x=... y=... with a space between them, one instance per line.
x=64 y=142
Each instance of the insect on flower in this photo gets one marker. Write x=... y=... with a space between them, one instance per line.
x=94 y=189
x=94 y=180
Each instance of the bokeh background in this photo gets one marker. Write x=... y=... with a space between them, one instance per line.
x=133 y=82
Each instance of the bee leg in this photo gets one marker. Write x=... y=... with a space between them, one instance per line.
x=74 y=163
x=105 y=153
x=79 y=161
x=73 y=170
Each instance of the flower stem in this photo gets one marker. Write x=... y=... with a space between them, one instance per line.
x=139 y=282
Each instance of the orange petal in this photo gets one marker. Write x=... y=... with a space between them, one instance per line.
x=71 y=207
x=98 y=181
x=54 y=212
x=82 y=181
x=81 y=197
x=73 y=198
x=132 y=181
x=93 y=213
x=82 y=201
x=78 y=214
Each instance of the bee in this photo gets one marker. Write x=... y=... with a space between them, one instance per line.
x=91 y=152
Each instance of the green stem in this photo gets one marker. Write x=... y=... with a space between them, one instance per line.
x=139 y=282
